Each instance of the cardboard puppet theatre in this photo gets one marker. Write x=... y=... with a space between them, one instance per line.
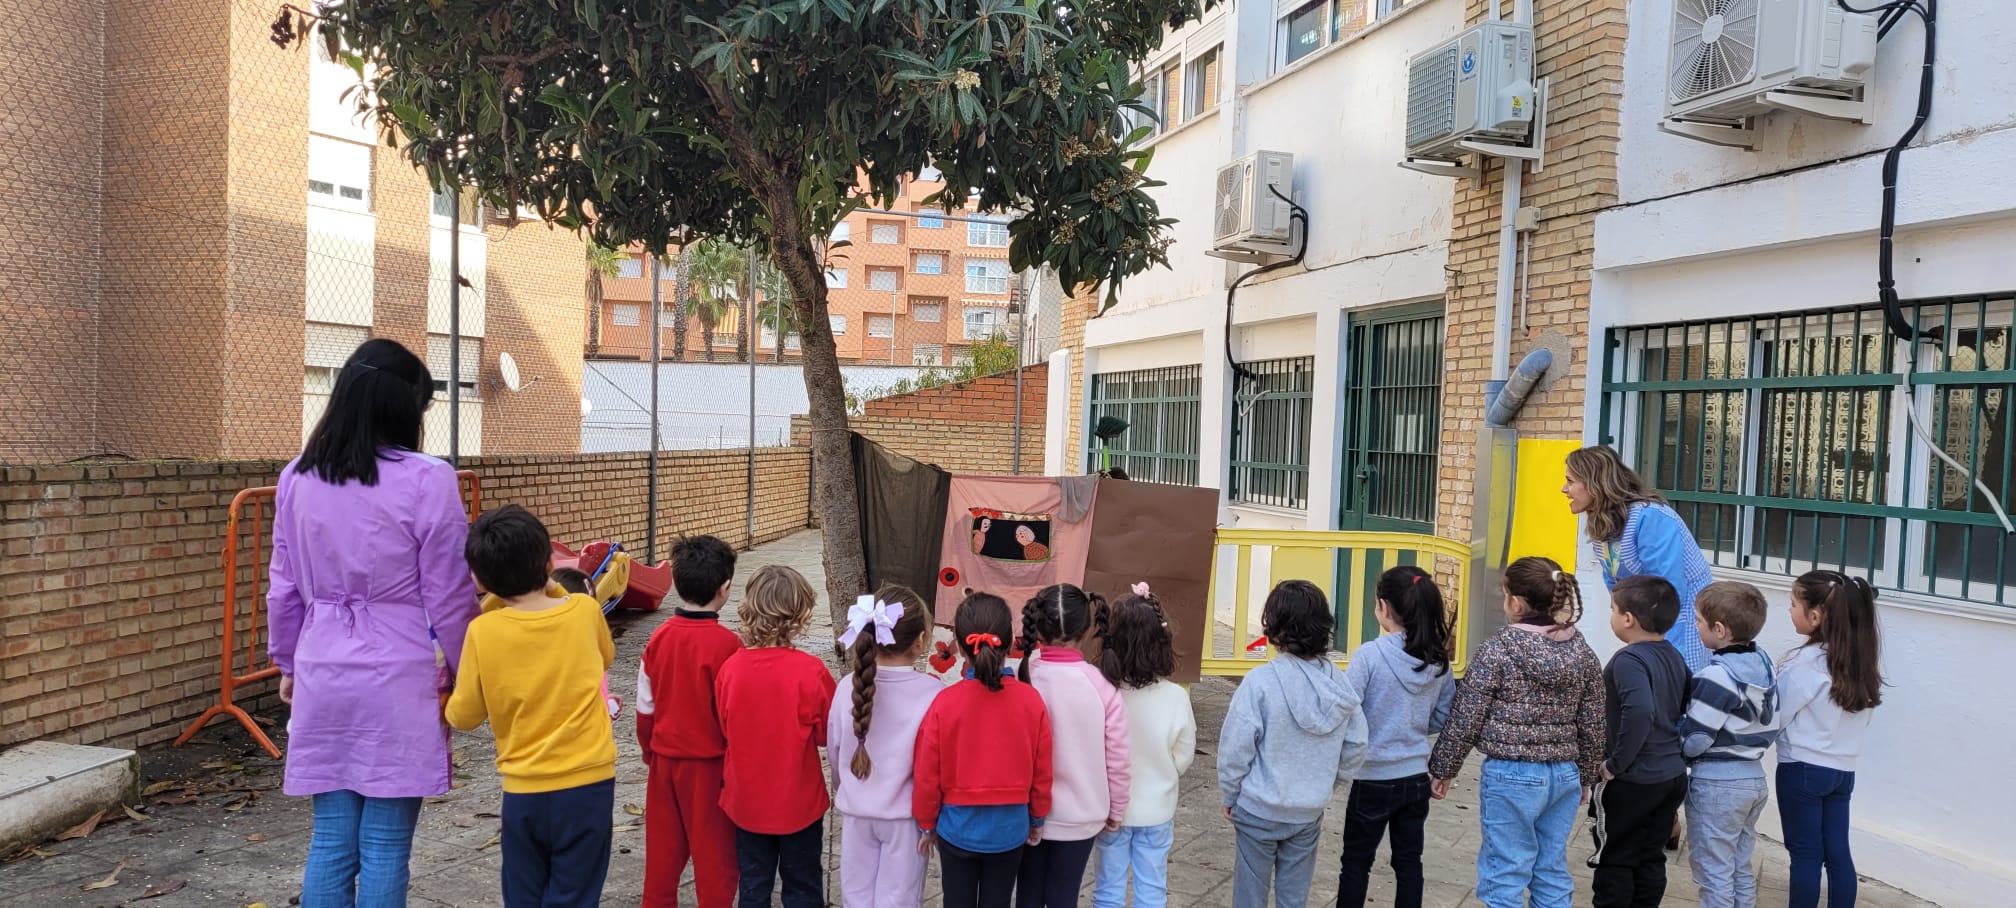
x=945 y=535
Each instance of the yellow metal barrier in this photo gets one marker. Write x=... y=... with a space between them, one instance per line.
x=1329 y=559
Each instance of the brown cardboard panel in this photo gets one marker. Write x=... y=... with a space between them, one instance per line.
x=1161 y=534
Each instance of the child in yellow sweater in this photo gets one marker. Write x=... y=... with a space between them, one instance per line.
x=534 y=669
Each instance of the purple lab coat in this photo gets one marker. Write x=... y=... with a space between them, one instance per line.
x=358 y=575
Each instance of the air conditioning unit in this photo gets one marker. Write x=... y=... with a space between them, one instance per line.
x=1732 y=60
x=1477 y=86
x=1249 y=221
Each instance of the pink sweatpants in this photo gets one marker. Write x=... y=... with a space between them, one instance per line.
x=879 y=863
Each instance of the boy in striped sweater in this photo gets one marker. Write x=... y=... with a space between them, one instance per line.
x=1732 y=716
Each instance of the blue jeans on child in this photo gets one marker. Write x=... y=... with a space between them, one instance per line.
x=1813 y=806
x=1528 y=812
x=357 y=855
x=1722 y=836
x=1142 y=849
x=1283 y=853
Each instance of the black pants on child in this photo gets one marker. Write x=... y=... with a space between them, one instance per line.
x=1633 y=821
x=1400 y=805
x=1052 y=873
x=556 y=846
x=975 y=880
x=763 y=858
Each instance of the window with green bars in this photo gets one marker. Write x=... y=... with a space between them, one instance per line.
x=1802 y=440
x=1161 y=407
x=1270 y=433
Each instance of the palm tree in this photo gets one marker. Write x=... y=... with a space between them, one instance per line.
x=715 y=269
x=682 y=293
x=602 y=263
x=779 y=311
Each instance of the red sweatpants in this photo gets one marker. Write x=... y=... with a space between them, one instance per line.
x=683 y=819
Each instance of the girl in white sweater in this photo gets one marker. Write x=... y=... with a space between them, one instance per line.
x=1827 y=689
x=1140 y=656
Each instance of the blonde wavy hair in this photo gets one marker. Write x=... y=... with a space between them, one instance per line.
x=1615 y=488
x=777 y=604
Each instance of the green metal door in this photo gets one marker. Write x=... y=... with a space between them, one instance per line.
x=1392 y=415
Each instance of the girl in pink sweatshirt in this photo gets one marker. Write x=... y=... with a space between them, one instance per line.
x=1088 y=738
x=871 y=739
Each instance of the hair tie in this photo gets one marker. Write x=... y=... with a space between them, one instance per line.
x=1417 y=578
x=1141 y=590
x=979 y=640
x=869 y=610
x=1557 y=575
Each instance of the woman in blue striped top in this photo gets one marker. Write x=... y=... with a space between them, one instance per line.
x=1634 y=531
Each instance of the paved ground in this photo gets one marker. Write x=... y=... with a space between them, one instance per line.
x=223 y=834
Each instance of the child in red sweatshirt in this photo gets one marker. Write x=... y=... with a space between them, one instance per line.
x=983 y=764
x=679 y=726
x=774 y=700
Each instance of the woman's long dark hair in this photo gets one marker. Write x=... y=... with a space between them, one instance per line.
x=1614 y=485
x=380 y=395
x=1417 y=602
x=1847 y=634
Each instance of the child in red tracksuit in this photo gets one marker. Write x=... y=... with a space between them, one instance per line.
x=982 y=766
x=680 y=728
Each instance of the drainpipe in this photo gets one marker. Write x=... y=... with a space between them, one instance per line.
x=1508 y=247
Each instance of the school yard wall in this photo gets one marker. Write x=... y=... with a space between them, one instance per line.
x=965 y=427
x=111 y=592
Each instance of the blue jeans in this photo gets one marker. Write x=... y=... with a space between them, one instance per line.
x=358 y=852
x=1528 y=812
x=1142 y=849
x=556 y=846
x=1721 y=838
x=1280 y=854
x=1813 y=806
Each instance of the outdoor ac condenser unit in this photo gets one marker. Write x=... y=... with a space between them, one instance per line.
x=1249 y=221
x=1475 y=86
x=1731 y=60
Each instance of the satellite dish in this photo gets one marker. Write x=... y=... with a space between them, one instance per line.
x=587 y=407
x=507 y=368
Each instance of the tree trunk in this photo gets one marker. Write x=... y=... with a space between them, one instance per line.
x=593 y=291
x=826 y=395
x=707 y=340
x=742 y=351
x=681 y=287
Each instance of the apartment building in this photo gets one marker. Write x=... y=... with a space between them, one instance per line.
x=202 y=231
x=911 y=286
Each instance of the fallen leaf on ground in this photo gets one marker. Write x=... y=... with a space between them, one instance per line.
x=107 y=882
x=256 y=905
x=155 y=892
x=633 y=810
x=236 y=806
x=160 y=787
x=26 y=853
x=627 y=827
x=493 y=840
x=255 y=837
x=488 y=816
x=82 y=829
x=134 y=815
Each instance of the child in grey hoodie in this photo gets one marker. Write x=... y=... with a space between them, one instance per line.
x=1404 y=686
x=1731 y=718
x=1293 y=731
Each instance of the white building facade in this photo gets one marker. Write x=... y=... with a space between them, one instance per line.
x=1750 y=376
x=1718 y=309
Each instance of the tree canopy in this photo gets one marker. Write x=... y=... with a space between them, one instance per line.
x=644 y=121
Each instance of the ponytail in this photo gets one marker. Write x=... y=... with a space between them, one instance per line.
x=1846 y=634
x=1061 y=613
x=1417 y=604
x=1549 y=591
x=1032 y=615
x=915 y=622
x=982 y=629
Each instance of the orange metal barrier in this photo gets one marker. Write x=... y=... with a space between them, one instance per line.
x=251 y=553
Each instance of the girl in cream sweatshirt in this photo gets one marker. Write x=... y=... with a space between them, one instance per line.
x=1139 y=656
x=1088 y=744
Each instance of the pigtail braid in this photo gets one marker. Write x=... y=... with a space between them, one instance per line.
x=864 y=703
x=1567 y=599
x=1032 y=615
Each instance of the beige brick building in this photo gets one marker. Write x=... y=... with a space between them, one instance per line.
x=200 y=232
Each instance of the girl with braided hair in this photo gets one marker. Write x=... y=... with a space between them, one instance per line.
x=871 y=738
x=1088 y=722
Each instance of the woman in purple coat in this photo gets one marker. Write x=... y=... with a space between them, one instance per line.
x=367 y=561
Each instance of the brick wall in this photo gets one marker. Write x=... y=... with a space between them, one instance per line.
x=1582 y=49
x=968 y=427
x=111 y=592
